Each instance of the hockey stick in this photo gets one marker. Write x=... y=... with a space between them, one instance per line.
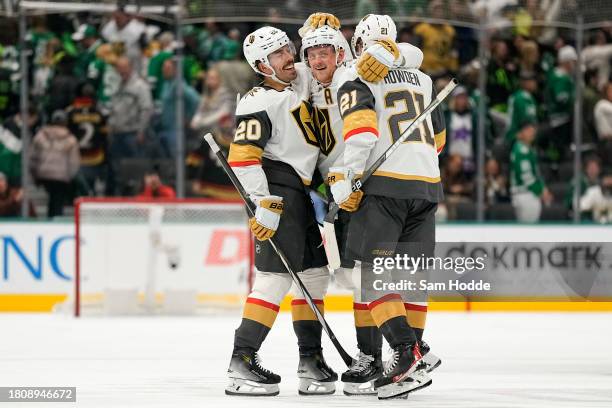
x=348 y=360
x=331 y=245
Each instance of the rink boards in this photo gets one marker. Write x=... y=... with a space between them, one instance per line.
x=38 y=263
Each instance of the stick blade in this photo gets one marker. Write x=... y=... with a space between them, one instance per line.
x=331 y=245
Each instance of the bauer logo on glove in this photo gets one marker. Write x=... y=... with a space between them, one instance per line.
x=267 y=216
x=341 y=186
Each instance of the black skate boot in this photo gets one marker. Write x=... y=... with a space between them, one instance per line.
x=359 y=378
x=316 y=377
x=430 y=359
x=248 y=377
x=403 y=373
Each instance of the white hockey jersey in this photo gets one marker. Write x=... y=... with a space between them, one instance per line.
x=326 y=113
x=375 y=115
x=276 y=125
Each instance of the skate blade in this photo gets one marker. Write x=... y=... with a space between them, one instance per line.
x=355 y=389
x=401 y=389
x=309 y=386
x=432 y=362
x=242 y=387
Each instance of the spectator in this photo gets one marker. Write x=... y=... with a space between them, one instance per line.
x=155 y=74
x=595 y=200
x=87 y=122
x=38 y=37
x=211 y=180
x=124 y=29
x=102 y=73
x=215 y=44
x=496 y=184
x=527 y=187
x=88 y=38
x=8 y=95
x=55 y=161
x=216 y=103
x=522 y=106
x=501 y=76
x=603 y=123
x=603 y=114
x=167 y=123
x=529 y=57
x=154 y=188
x=43 y=72
x=131 y=109
x=559 y=100
x=62 y=86
x=233 y=45
x=461 y=129
x=590 y=98
x=437 y=42
x=236 y=74
x=590 y=177
x=10 y=144
x=10 y=198
x=524 y=18
x=597 y=56
x=457 y=186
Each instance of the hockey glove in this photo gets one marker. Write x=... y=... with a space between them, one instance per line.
x=373 y=65
x=340 y=182
x=318 y=20
x=267 y=216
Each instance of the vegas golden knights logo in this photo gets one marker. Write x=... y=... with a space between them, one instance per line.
x=303 y=118
x=251 y=39
x=322 y=122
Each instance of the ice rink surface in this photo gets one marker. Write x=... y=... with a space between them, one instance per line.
x=489 y=360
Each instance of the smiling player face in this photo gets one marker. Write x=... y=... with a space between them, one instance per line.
x=322 y=62
x=283 y=63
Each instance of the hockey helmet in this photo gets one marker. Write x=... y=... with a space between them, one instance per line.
x=322 y=36
x=258 y=45
x=371 y=28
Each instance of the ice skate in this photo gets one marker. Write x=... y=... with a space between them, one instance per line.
x=248 y=377
x=431 y=360
x=359 y=378
x=316 y=377
x=404 y=373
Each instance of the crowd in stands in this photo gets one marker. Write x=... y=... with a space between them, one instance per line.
x=103 y=106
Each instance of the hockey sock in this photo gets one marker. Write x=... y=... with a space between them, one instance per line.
x=416 y=316
x=257 y=320
x=369 y=338
x=306 y=326
x=390 y=316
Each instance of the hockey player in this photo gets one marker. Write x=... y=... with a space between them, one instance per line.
x=400 y=198
x=274 y=154
x=326 y=53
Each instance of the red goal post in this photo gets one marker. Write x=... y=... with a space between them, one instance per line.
x=156 y=256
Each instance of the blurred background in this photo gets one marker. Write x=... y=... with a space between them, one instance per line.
x=111 y=98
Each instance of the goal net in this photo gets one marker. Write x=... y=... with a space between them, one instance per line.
x=160 y=257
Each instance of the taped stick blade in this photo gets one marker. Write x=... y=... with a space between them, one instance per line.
x=331 y=245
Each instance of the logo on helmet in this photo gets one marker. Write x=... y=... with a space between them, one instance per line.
x=251 y=39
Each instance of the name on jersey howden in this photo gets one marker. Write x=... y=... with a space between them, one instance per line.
x=396 y=76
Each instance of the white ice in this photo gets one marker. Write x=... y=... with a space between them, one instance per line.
x=489 y=360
